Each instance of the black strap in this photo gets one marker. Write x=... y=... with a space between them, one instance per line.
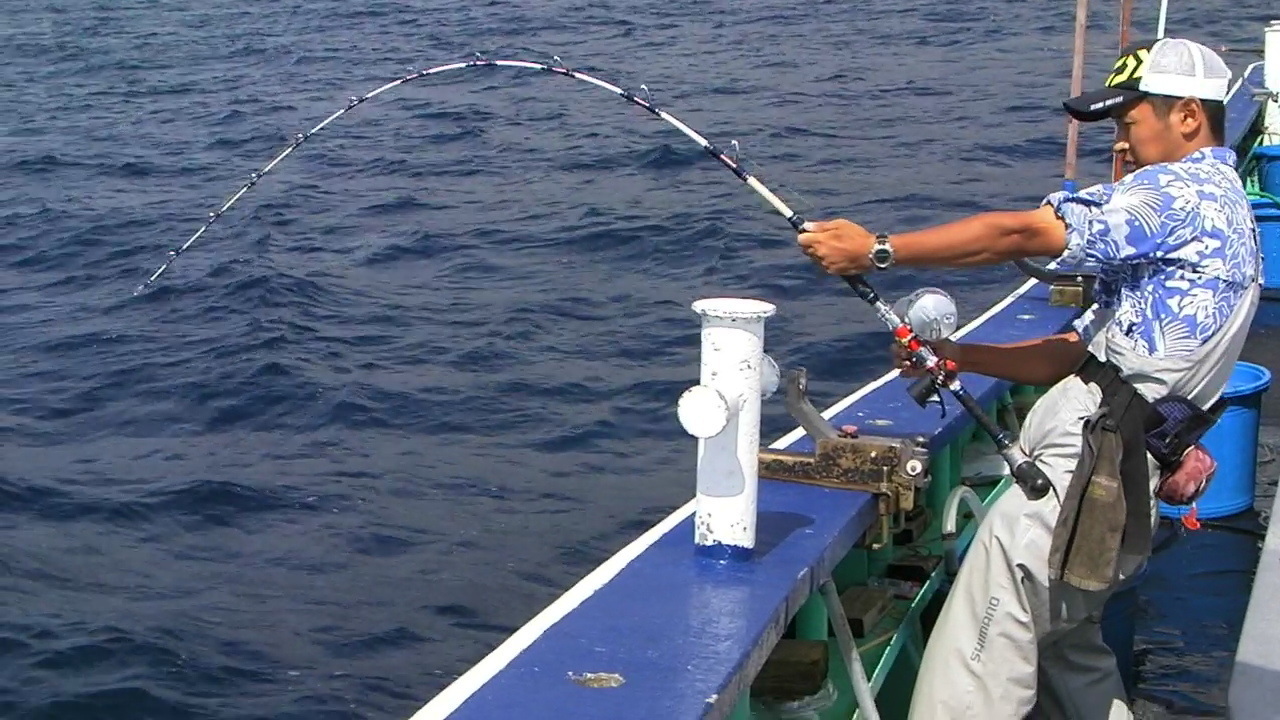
x=1093 y=370
x=1127 y=409
x=1108 y=379
x=1112 y=384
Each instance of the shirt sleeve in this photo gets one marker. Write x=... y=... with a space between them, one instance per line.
x=1138 y=218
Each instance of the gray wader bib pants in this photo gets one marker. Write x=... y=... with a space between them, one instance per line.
x=1009 y=636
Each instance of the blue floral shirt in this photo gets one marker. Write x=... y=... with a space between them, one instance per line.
x=1176 y=247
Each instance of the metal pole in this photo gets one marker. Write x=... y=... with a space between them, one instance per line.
x=1271 y=82
x=867 y=709
x=1126 y=16
x=1077 y=82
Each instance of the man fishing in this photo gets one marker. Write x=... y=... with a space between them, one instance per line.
x=1178 y=283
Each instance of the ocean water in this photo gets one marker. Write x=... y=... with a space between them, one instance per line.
x=422 y=377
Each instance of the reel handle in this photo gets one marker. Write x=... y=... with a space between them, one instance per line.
x=1034 y=483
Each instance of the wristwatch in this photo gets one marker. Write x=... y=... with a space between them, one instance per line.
x=881 y=252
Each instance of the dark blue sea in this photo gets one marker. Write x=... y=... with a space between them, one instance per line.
x=422 y=377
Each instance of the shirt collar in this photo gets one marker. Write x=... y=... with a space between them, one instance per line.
x=1215 y=153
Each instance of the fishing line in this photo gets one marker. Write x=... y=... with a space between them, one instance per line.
x=481 y=61
x=942 y=373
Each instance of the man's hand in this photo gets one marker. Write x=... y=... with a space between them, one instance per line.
x=945 y=349
x=839 y=246
x=1121 y=150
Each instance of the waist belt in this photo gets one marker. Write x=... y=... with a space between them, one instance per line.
x=1170 y=425
x=1103 y=374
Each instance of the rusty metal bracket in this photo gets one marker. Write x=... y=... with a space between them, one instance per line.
x=1066 y=289
x=1073 y=290
x=892 y=469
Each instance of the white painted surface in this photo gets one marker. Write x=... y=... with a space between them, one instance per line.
x=1271 y=80
x=770 y=377
x=1271 y=57
x=703 y=412
x=732 y=370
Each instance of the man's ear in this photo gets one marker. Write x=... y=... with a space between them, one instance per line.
x=1189 y=117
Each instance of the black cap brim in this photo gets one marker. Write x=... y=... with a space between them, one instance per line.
x=1099 y=104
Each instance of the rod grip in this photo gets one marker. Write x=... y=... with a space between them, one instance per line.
x=862 y=288
x=922 y=390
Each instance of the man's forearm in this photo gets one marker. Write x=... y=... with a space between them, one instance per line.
x=1040 y=362
x=983 y=239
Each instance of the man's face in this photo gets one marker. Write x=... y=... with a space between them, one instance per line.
x=1147 y=136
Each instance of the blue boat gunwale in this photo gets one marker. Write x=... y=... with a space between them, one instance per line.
x=498 y=685
x=1243 y=108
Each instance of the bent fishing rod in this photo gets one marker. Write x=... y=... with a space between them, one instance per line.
x=942 y=373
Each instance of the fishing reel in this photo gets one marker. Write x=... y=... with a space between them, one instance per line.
x=932 y=315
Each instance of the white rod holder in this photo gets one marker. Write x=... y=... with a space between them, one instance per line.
x=1271 y=83
x=723 y=413
x=1271 y=57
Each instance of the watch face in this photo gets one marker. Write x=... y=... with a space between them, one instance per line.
x=881 y=255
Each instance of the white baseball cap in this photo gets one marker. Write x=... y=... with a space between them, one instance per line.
x=1172 y=67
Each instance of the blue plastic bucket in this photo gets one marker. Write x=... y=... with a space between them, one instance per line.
x=1233 y=442
x=1267 y=215
x=1119 y=626
x=1268 y=157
